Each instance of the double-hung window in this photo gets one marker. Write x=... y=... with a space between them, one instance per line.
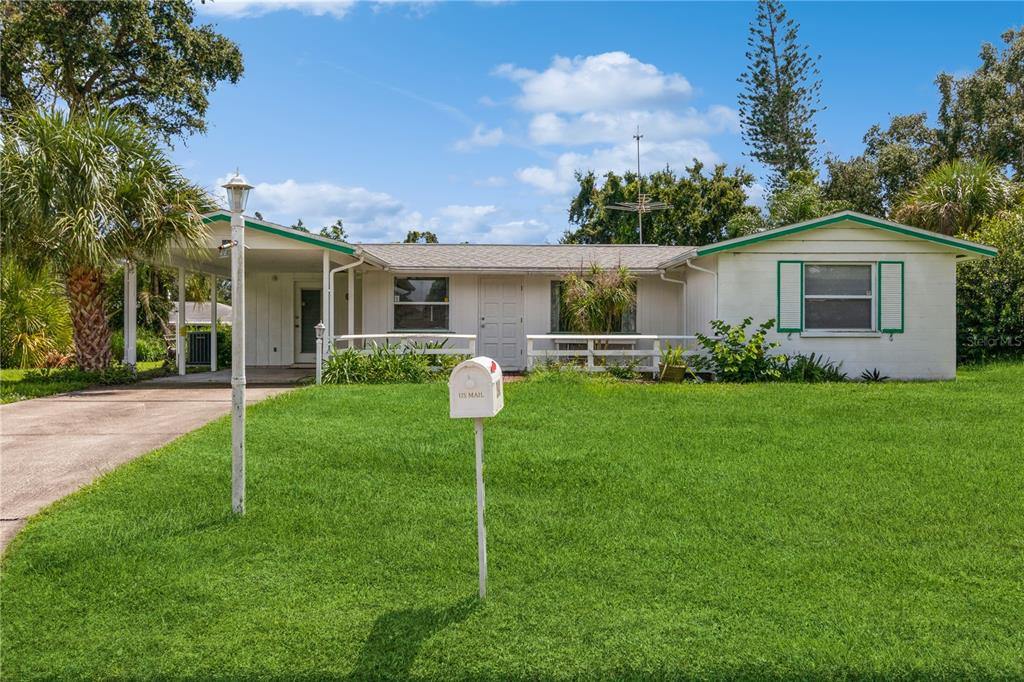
x=421 y=304
x=838 y=297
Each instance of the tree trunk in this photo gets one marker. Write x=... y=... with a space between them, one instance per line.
x=85 y=287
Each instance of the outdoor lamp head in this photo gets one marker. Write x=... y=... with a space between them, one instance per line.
x=238 y=193
x=319 y=330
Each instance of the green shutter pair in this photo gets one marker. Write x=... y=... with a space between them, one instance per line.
x=790 y=296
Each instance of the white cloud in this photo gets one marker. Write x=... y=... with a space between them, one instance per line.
x=481 y=137
x=368 y=215
x=605 y=82
x=239 y=9
x=560 y=177
x=371 y=216
x=608 y=127
x=491 y=181
x=486 y=225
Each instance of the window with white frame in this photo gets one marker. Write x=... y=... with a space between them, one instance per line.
x=838 y=296
x=421 y=304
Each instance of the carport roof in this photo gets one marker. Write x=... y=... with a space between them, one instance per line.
x=282 y=231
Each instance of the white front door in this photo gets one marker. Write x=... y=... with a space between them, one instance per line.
x=307 y=314
x=501 y=321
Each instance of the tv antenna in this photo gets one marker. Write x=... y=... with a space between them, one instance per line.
x=643 y=203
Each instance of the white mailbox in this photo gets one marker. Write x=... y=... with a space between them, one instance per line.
x=474 y=389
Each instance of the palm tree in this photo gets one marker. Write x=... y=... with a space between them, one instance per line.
x=595 y=301
x=956 y=196
x=85 y=192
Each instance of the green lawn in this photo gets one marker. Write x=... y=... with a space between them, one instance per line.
x=14 y=385
x=636 y=531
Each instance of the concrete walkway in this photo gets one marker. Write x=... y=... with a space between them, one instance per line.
x=50 y=447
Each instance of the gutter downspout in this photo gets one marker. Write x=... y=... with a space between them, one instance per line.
x=330 y=298
x=713 y=274
x=683 y=282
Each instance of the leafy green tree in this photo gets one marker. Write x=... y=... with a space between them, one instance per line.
x=299 y=226
x=701 y=206
x=144 y=59
x=903 y=154
x=417 y=237
x=854 y=183
x=957 y=196
x=34 y=319
x=83 y=193
x=894 y=161
x=780 y=94
x=334 y=231
x=990 y=291
x=980 y=114
x=801 y=199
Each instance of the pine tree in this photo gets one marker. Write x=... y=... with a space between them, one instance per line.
x=780 y=95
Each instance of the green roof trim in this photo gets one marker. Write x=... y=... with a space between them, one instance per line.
x=740 y=242
x=288 y=233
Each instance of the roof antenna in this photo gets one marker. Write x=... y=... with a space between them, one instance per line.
x=643 y=203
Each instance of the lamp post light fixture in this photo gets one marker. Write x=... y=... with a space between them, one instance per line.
x=238 y=195
x=319 y=328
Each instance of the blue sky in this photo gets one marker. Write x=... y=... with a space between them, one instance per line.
x=469 y=119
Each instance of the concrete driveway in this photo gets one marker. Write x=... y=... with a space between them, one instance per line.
x=50 y=447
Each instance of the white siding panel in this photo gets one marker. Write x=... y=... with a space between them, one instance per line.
x=659 y=307
x=251 y=295
x=377 y=293
x=275 y=321
x=462 y=293
x=287 y=282
x=537 y=311
x=262 y=322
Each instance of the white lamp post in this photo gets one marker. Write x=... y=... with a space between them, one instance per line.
x=238 y=195
x=319 y=349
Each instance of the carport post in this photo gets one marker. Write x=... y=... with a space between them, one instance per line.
x=325 y=310
x=238 y=193
x=179 y=343
x=213 y=323
x=351 y=304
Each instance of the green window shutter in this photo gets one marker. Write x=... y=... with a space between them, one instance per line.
x=890 y=297
x=790 y=296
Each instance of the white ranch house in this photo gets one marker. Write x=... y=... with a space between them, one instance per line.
x=866 y=292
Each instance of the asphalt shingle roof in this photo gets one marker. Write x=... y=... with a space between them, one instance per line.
x=521 y=257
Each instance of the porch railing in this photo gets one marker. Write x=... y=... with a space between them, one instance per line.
x=411 y=342
x=594 y=351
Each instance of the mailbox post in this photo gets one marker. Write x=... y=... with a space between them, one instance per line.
x=475 y=391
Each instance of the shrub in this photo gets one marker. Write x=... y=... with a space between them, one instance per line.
x=873 y=376
x=35 y=323
x=625 y=372
x=149 y=346
x=733 y=357
x=111 y=376
x=990 y=293
x=813 y=369
x=564 y=372
x=382 y=365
